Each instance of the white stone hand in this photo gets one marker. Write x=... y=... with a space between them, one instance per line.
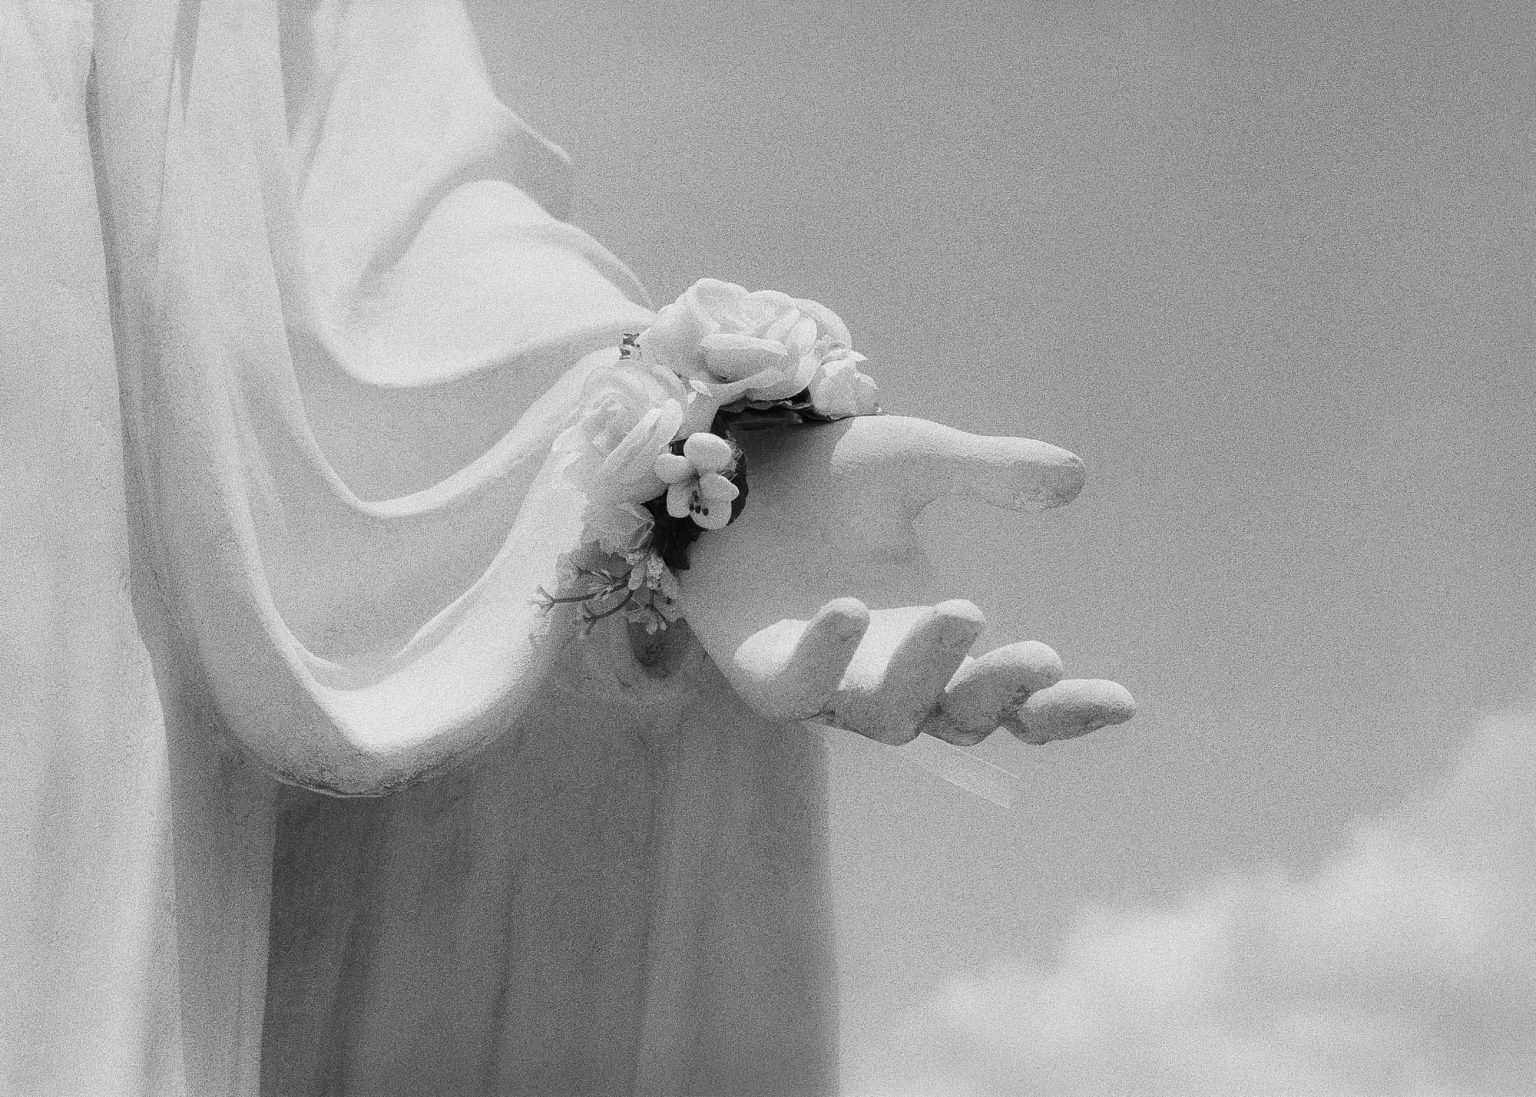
x=819 y=601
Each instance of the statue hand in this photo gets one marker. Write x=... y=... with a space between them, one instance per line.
x=818 y=601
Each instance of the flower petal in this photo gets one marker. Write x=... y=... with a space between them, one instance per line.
x=801 y=337
x=628 y=474
x=839 y=390
x=777 y=330
x=714 y=488
x=723 y=393
x=717 y=516
x=827 y=320
x=701 y=410
x=708 y=452
x=672 y=467
x=731 y=357
x=680 y=499
x=618 y=528
x=770 y=300
x=716 y=296
x=778 y=385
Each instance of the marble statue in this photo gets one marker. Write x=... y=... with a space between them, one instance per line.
x=305 y=793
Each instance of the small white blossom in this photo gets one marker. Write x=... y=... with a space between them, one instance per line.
x=696 y=480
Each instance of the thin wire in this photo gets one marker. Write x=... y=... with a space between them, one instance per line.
x=955 y=765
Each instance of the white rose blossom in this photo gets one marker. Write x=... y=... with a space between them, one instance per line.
x=630 y=412
x=840 y=390
x=733 y=345
x=620 y=528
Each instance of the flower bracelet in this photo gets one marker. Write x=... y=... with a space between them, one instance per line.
x=654 y=449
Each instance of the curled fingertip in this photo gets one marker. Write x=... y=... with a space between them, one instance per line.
x=810 y=676
x=1071 y=708
x=906 y=687
x=962 y=615
x=841 y=619
x=1070 y=477
x=1036 y=475
x=1031 y=665
x=984 y=693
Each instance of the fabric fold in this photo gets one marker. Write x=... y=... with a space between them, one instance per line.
x=295 y=320
x=393 y=313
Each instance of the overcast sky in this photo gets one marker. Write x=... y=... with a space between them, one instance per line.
x=1268 y=268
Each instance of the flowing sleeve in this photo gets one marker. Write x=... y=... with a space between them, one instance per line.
x=351 y=322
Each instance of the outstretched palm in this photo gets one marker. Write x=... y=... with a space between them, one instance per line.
x=819 y=601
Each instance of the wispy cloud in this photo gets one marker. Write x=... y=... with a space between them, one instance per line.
x=1405 y=967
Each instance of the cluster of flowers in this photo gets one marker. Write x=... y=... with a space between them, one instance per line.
x=654 y=449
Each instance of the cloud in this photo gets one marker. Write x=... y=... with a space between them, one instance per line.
x=1404 y=967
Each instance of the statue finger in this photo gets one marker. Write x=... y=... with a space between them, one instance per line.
x=986 y=690
x=1013 y=473
x=887 y=697
x=791 y=670
x=1071 y=708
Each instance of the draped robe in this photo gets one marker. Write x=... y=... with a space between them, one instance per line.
x=291 y=318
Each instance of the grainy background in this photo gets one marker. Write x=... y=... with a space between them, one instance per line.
x=1269 y=269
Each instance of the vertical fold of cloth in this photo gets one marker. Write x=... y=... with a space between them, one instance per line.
x=293 y=321
x=87 y=948
x=346 y=352
x=343 y=349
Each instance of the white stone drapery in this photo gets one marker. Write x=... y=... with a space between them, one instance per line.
x=290 y=321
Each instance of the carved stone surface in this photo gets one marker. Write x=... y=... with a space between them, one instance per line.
x=301 y=384
x=626 y=896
